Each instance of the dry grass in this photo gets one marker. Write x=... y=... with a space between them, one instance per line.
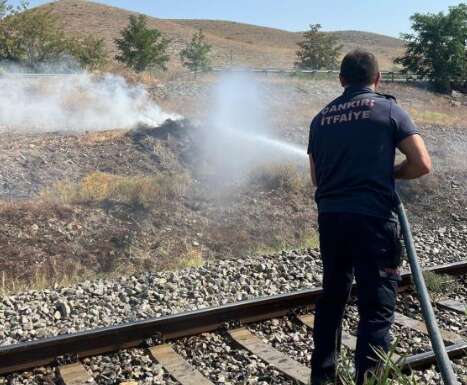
x=308 y=240
x=446 y=119
x=428 y=108
x=136 y=191
x=286 y=177
x=57 y=273
x=52 y=274
x=102 y=136
x=148 y=79
x=191 y=258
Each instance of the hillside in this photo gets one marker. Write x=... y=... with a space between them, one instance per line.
x=233 y=43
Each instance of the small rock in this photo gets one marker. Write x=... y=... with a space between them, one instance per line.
x=63 y=308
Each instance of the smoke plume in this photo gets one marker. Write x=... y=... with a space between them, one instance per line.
x=80 y=102
x=240 y=131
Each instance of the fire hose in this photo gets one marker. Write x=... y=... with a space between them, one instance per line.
x=442 y=358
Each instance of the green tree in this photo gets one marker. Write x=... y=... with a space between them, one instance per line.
x=195 y=56
x=39 y=38
x=318 y=50
x=10 y=49
x=31 y=38
x=3 y=8
x=90 y=52
x=35 y=37
x=437 y=48
x=141 y=47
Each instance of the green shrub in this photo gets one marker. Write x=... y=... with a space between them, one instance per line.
x=195 y=56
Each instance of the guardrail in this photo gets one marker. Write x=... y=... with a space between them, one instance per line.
x=392 y=76
x=32 y=75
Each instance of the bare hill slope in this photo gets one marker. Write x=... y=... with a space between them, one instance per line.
x=233 y=43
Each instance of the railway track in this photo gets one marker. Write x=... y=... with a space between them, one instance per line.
x=230 y=318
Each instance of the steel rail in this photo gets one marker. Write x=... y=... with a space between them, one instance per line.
x=426 y=359
x=28 y=355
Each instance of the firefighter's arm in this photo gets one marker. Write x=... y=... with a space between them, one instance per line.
x=417 y=162
x=312 y=170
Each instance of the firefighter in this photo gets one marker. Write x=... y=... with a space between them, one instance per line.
x=352 y=160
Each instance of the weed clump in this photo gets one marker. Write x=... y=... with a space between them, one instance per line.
x=287 y=178
x=135 y=191
x=389 y=371
x=440 y=284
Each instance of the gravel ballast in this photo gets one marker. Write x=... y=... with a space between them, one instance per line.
x=38 y=314
x=217 y=358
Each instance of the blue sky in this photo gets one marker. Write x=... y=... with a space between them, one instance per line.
x=389 y=17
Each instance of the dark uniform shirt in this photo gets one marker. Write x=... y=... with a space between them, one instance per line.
x=353 y=142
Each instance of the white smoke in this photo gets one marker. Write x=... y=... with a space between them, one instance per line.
x=79 y=102
x=241 y=135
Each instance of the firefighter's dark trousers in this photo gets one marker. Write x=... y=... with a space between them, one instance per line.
x=369 y=249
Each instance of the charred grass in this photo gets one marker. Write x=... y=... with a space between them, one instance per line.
x=76 y=230
x=45 y=243
x=145 y=212
x=110 y=225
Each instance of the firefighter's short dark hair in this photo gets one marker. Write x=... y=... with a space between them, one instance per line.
x=359 y=68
